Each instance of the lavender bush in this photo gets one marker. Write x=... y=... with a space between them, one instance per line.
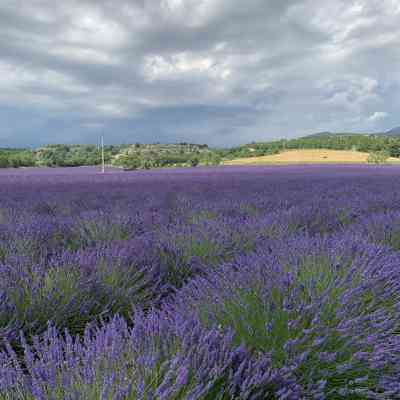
x=324 y=307
x=225 y=283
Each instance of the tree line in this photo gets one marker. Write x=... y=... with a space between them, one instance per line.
x=137 y=156
x=15 y=158
x=159 y=156
x=146 y=156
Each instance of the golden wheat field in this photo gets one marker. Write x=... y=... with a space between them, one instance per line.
x=306 y=156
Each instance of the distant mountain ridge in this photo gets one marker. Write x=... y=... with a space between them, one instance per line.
x=327 y=134
x=393 y=132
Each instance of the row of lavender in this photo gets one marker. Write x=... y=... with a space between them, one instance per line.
x=248 y=283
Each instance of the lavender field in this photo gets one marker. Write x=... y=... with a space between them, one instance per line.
x=225 y=283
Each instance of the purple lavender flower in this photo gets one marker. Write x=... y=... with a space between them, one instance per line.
x=245 y=283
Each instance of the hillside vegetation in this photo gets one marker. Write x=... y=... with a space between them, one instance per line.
x=311 y=156
x=135 y=156
x=323 y=140
x=145 y=156
x=142 y=156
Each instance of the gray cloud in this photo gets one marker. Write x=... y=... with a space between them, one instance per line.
x=217 y=71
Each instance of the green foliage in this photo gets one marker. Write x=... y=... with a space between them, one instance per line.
x=10 y=158
x=129 y=162
x=194 y=162
x=24 y=159
x=394 y=149
x=345 y=141
x=57 y=296
x=211 y=158
x=180 y=255
x=267 y=320
x=71 y=156
x=261 y=321
x=147 y=156
x=66 y=296
x=3 y=161
x=378 y=157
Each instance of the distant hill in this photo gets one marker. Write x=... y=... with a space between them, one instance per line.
x=320 y=134
x=361 y=142
x=327 y=134
x=156 y=155
x=393 y=132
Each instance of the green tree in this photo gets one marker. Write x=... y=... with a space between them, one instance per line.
x=3 y=161
x=394 y=150
x=194 y=161
x=130 y=161
x=211 y=158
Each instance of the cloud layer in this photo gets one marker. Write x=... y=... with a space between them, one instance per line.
x=222 y=72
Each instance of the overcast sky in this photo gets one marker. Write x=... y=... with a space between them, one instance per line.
x=221 y=72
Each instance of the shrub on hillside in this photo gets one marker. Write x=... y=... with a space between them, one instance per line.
x=378 y=157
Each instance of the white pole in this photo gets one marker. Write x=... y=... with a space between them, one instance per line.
x=102 y=154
